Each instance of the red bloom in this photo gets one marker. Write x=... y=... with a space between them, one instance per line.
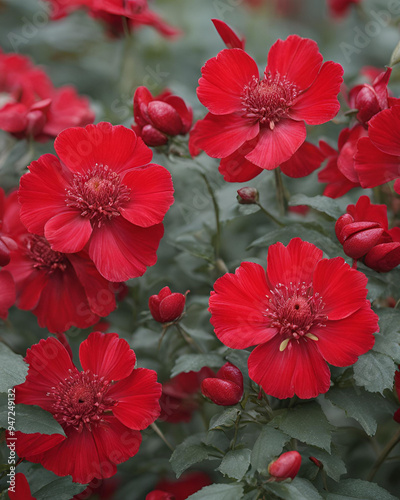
x=62 y=290
x=339 y=8
x=339 y=172
x=21 y=490
x=305 y=311
x=226 y=388
x=179 y=395
x=159 y=117
x=364 y=233
x=7 y=293
x=182 y=488
x=377 y=160
x=101 y=409
x=103 y=195
x=266 y=118
x=397 y=387
x=159 y=495
x=229 y=37
x=33 y=107
x=287 y=465
x=167 y=306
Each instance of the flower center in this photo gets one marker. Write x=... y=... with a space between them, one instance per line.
x=99 y=194
x=43 y=257
x=269 y=99
x=294 y=310
x=81 y=399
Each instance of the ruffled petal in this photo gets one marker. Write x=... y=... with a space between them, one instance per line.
x=121 y=251
x=237 y=307
x=115 y=146
x=137 y=399
x=342 y=342
x=68 y=232
x=27 y=445
x=373 y=166
x=298 y=369
x=298 y=59
x=319 y=103
x=277 y=146
x=224 y=78
x=151 y=195
x=107 y=355
x=292 y=264
x=384 y=130
x=304 y=161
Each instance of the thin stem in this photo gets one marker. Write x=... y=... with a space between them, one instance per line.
x=164 y=331
x=268 y=214
x=280 y=192
x=384 y=453
x=216 y=212
x=189 y=340
x=233 y=444
x=397 y=306
x=159 y=433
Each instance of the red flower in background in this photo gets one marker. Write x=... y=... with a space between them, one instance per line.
x=101 y=409
x=377 y=160
x=103 y=196
x=339 y=8
x=179 y=397
x=158 y=118
x=33 y=107
x=304 y=312
x=21 y=490
x=264 y=120
x=180 y=489
x=62 y=290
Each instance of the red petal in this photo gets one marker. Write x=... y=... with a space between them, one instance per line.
x=224 y=78
x=341 y=342
x=235 y=167
x=384 y=257
x=115 y=146
x=68 y=232
x=221 y=392
x=172 y=307
x=277 y=146
x=42 y=192
x=384 y=130
x=338 y=184
x=150 y=197
x=374 y=167
x=299 y=369
x=22 y=490
x=137 y=399
x=106 y=355
x=345 y=160
x=229 y=37
x=319 y=103
x=292 y=264
x=121 y=250
x=220 y=136
x=343 y=289
x=297 y=59
x=35 y=444
x=237 y=307
x=364 y=210
x=304 y=161
x=7 y=293
x=30 y=289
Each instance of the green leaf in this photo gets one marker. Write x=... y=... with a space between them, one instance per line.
x=298 y=489
x=219 y=492
x=13 y=369
x=333 y=464
x=387 y=341
x=235 y=463
x=358 y=404
x=268 y=445
x=31 y=418
x=224 y=419
x=62 y=488
x=195 y=362
x=356 y=488
x=307 y=423
x=395 y=57
x=190 y=452
x=375 y=372
x=329 y=206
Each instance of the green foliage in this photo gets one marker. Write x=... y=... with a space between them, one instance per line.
x=235 y=463
x=298 y=489
x=190 y=451
x=195 y=362
x=356 y=488
x=13 y=369
x=268 y=445
x=219 y=492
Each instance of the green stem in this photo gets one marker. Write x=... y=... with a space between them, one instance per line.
x=159 y=433
x=280 y=192
x=233 y=444
x=384 y=453
x=268 y=214
x=397 y=306
x=216 y=212
x=189 y=340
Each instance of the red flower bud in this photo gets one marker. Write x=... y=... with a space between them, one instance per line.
x=247 y=196
x=357 y=238
x=287 y=465
x=383 y=258
x=226 y=388
x=167 y=306
x=317 y=462
x=164 y=117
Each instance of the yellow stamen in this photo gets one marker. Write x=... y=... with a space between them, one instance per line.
x=284 y=344
x=311 y=336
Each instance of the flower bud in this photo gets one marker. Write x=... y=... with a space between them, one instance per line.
x=317 y=462
x=226 y=388
x=383 y=258
x=167 y=306
x=287 y=465
x=247 y=196
x=357 y=238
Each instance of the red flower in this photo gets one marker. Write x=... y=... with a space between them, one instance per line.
x=265 y=119
x=229 y=37
x=377 y=160
x=305 y=311
x=179 y=395
x=364 y=233
x=101 y=409
x=182 y=488
x=7 y=293
x=103 y=195
x=397 y=387
x=21 y=489
x=62 y=290
x=339 y=8
x=159 y=495
x=340 y=173
x=287 y=465
x=167 y=306
x=226 y=388
x=158 y=118
x=33 y=107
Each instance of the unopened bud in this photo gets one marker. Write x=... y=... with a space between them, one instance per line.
x=226 y=388
x=247 y=196
x=167 y=306
x=286 y=466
